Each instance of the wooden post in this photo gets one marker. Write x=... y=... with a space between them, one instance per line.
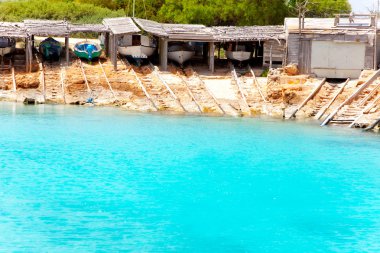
x=212 y=56
x=114 y=51
x=27 y=54
x=106 y=44
x=163 y=47
x=67 y=46
x=30 y=57
x=270 y=56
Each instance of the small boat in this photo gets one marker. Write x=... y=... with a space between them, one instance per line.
x=136 y=46
x=239 y=54
x=7 y=45
x=87 y=50
x=180 y=53
x=50 y=49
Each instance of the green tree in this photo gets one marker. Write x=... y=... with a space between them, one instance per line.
x=322 y=8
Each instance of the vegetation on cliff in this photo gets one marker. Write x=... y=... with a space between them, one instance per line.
x=208 y=12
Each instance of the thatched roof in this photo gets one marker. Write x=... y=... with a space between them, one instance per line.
x=99 y=28
x=151 y=27
x=248 y=33
x=47 y=27
x=15 y=30
x=188 y=32
x=122 y=25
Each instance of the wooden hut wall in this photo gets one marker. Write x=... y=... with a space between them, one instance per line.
x=274 y=53
x=300 y=47
x=293 y=49
x=378 y=51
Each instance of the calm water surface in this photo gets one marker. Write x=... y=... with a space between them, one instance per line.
x=104 y=180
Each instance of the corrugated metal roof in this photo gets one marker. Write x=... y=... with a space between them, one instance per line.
x=122 y=25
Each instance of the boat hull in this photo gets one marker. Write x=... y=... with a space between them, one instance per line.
x=81 y=50
x=50 y=49
x=6 y=50
x=239 y=55
x=180 y=56
x=137 y=52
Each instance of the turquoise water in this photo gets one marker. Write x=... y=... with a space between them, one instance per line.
x=78 y=179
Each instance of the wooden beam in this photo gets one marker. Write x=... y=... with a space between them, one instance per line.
x=212 y=57
x=163 y=50
x=106 y=44
x=114 y=51
x=27 y=55
x=352 y=97
x=67 y=47
x=312 y=94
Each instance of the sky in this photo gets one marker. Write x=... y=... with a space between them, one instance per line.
x=362 y=5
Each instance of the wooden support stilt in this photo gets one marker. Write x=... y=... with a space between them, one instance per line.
x=321 y=112
x=27 y=56
x=114 y=51
x=352 y=97
x=311 y=96
x=67 y=48
x=212 y=57
x=163 y=50
x=106 y=44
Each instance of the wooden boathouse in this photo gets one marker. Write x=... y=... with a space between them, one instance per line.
x=339 y=47
x=18 y=31
x=268 y=42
